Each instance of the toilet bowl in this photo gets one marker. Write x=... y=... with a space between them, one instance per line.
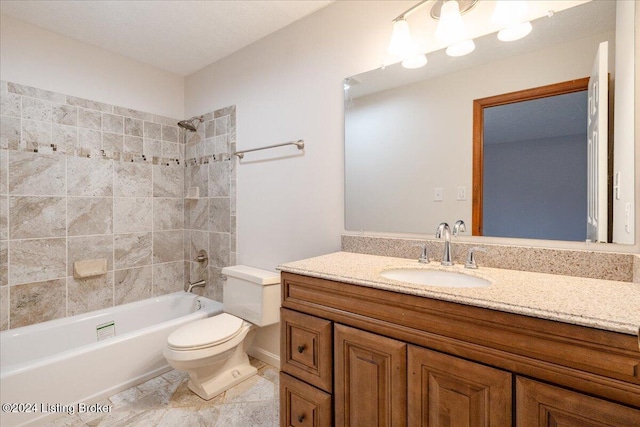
x=213 y=351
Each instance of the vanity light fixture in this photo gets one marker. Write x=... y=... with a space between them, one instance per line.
x=450 y=29
x=510 y=14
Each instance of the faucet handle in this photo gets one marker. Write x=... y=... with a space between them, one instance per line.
x=424 y=256
x=471 y=260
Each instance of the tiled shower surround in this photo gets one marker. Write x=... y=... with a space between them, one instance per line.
x=81 y=179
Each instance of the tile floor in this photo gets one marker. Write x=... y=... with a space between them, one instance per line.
x=166 y=401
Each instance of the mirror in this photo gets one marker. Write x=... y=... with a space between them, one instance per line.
x=408 y=133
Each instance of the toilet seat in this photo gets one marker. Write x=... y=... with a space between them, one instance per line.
x=205 y=333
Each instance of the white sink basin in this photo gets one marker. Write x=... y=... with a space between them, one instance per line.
x=447 y=279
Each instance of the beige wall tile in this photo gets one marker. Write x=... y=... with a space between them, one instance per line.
x=64 y=137
x=170 y=133
x=152 y=148
x=4 y=171
x=89 y=139
x=37 y=260
x=198 y=211
x=89 y=104
x=133 y=127
x=168 y=181
x=168 y=214
x=112 y=141
x=4 y=216
x=65 y=114
x=4 y=263
x=37 y=302
x=132 y=179
x=132 y=250
x=36 y=93
x=219 y=214
x=89 y=119
x=93 y=293
x=168 y=277
x=131 y=285
x=112 y=123
x=35 y=174
x=36 y=217
x=10 y=104
x=152 y=130
x=167 y=246
x=36 y=109
x=89 y=177
x=4 y=308
x=36 y=133
x=89 y=215
x=10 y=132
x=219 y=249
x=132 y=215
x=219 y=181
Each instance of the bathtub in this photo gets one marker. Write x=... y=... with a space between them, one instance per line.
x=63 y=364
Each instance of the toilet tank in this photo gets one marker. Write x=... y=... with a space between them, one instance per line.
x=252 y=294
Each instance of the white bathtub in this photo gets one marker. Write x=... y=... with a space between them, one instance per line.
x=62 y=362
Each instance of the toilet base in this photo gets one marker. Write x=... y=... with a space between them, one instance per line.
x=222 y=381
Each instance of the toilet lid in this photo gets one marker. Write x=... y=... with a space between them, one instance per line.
x=206 y=332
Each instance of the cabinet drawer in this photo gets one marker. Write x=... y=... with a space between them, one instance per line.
x=307 y=351
x=302 y=405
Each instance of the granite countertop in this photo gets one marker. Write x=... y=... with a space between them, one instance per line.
x=595 y=303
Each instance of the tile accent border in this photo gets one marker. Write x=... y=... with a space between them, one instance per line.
x=590 y=264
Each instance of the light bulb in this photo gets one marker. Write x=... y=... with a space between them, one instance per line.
x=450 y=28
x=509 y=12
x=400 y=44
x=462 y=48
x=415 y=61
x=515 y=32
x=511 y=15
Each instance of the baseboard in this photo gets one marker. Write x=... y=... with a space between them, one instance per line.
x=265 y=356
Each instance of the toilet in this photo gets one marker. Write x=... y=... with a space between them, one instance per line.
x=213 y=351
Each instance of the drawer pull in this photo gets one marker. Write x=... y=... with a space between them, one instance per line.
x=301 y=348
x=300 y=418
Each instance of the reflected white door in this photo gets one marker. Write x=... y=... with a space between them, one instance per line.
x=597 y=131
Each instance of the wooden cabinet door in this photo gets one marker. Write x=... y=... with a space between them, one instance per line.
x=370 y=384
x=540 y=405
x=446 y=391
x=302 y=405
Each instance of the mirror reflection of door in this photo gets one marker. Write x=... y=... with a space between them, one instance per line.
x=530 y=163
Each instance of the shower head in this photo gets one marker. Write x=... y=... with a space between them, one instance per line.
x=188 y=124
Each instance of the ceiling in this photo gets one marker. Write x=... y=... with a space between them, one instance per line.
x=177 y=36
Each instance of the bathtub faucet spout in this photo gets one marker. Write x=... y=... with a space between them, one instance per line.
x=198 y=284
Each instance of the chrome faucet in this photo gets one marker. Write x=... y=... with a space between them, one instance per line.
x=198 y=284
x=459 y=227
x=443 y=229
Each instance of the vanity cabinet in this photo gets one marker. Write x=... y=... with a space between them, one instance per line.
x=359 y=356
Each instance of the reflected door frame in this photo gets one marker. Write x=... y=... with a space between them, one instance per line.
x=478 y=133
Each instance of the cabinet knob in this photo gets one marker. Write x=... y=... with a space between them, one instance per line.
x=301 y=348
x=300 y=418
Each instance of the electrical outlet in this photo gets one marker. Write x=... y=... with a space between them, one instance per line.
x=437 y=194
x=462 y=193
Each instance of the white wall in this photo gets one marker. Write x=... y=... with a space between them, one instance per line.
x=32 y=56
